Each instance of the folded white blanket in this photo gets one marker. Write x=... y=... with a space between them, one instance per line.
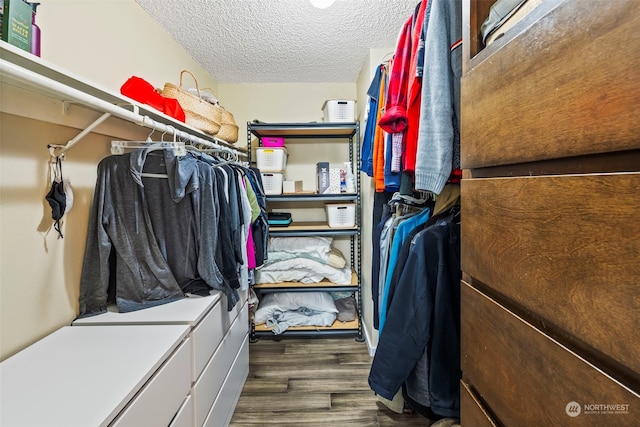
x=303 y=270
x=314 y=246
x=333 y=258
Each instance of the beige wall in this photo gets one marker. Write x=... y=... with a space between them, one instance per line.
x=39 y=275
x=108 y=41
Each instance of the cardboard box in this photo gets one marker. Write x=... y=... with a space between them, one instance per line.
x=291 y=187
x=334 y=180
x=324 y=181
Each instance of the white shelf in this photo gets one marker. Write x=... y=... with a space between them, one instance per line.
x=21 y=69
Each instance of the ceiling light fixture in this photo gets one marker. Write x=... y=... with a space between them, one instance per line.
x=322 y=4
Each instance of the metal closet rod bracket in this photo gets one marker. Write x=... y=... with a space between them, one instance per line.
x=62 y=148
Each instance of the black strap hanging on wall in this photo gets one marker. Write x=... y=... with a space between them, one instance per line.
x=56 y=196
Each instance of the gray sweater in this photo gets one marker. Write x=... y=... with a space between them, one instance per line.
x=162 y=232
x=439 y=138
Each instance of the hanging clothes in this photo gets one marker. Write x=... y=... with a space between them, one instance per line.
x=416 y=282
x=438 y=150
x=414 y=96
x=393 y=152
x=259 y=228
x=159 y=229
x=371 y=121
x=403 y=229
x=379 y=137
x=381 y=213
x=394 y=119
x=424 y=317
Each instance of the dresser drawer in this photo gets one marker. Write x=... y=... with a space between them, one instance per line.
x=526 y=378
x=184 y=417
x=228 y=317
x=472 y=412
x=205 y=338
x=210 y=331
x=566 y=86
x=210 y=382
x=159 y=400
x=565 y=248
x=224 y=406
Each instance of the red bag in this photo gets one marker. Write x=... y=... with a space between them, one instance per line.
x=144 y=92
x=173 y=108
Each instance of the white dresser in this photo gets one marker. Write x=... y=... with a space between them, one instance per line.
x=179 y=364
x=88 y=376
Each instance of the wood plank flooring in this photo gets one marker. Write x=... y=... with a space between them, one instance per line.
x=313 y=382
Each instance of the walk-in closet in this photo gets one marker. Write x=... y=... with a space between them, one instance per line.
x=366 y=213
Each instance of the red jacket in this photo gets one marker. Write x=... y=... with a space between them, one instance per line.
x=394 y=119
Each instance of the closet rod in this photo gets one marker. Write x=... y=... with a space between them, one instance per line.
x=69 y=93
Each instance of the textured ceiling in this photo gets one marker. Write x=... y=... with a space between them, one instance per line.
x=253 y=41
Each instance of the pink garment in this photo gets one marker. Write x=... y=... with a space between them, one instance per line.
x=251 y=251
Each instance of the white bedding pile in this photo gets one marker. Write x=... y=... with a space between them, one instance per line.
x=303 y=259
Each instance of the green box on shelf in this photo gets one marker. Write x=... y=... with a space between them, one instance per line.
x=16 y=24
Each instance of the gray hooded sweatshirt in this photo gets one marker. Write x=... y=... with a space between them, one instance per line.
x=161 y=233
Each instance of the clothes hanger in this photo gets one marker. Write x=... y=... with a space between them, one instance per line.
x=118 y=147
x=228 y=156
x=404 y=199
x=387 y=57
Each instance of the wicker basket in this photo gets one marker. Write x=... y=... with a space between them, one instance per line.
x=198 y=112
x=228 y=128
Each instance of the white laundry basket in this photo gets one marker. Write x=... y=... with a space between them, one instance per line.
x=341 y=215
x=271 y=159
x=338 y=110
x=272 y=183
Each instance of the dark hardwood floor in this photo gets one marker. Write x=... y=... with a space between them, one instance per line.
x=313 y=382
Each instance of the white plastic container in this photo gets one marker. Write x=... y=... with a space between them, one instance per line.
x=271 y=159
x=341 y=215
x=272 y=183
x=339 y=110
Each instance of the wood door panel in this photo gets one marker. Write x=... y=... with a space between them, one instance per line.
x=566 y=248
x=525 y=378
x=567 y=86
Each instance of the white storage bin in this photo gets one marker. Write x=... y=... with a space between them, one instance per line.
x=272 y=183
x=338 y=110
x=341 y=215
x=271 y=159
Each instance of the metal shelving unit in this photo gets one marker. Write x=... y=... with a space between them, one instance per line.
x=301 y=133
